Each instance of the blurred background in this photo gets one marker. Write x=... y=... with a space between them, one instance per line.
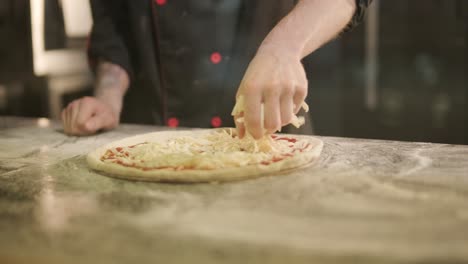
x=401 y=75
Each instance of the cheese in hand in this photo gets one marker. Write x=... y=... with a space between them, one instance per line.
x=239 y=108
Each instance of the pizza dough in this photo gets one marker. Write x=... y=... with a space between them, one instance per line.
x=207 y=155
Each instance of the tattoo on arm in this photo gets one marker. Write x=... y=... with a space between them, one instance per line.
x=112 y=82
x=111 y=77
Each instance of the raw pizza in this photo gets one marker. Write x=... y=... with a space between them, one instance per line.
x=203 y=155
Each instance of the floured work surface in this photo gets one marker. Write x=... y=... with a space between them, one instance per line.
x=364 y=201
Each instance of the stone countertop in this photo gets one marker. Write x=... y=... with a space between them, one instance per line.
x=365 y=201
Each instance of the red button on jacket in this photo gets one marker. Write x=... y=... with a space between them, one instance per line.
x=216 y=121
x=173 y=122
x=216 y=57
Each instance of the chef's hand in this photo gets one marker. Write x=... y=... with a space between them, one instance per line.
x=275 y=77
x=87 y=115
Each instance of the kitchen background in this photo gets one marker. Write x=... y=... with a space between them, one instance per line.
x=402 y=75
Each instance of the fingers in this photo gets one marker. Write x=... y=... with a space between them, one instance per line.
x=86 y=109
x=280 y=103
x=86 y=116
x=272 y=113
x=75 y=108
x=286 y=104
x=252 y=115
x=239 y=125
x=299 y=97
x=67 y=117
x=102 y=120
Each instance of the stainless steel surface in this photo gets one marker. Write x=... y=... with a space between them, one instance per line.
x=366 y=201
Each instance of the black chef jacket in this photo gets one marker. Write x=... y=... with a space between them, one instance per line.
x=185 y=58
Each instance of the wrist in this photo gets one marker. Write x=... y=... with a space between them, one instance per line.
x=111 y=85
x=112 y=98
x=280 y=50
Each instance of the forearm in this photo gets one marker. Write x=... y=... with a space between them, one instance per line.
x=309 y=25
x=112 y=82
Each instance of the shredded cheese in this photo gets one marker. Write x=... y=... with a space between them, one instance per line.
x=219 y=149
x=239 y=108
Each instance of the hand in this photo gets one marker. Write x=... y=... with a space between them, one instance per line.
x=277 y=79
x=87 y=115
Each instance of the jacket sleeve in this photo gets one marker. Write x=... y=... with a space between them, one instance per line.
x=106 y=41
x=358 y=17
